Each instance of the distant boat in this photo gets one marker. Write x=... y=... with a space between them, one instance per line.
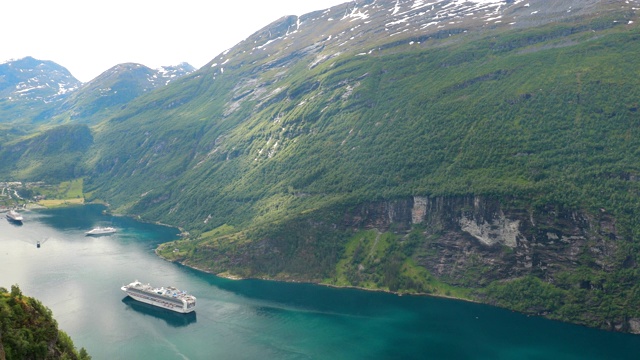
x=15 y=216
x=101 y=230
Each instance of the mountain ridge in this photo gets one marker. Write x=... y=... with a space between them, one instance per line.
x=34 y=79
x=114 y=88
x=22 y=93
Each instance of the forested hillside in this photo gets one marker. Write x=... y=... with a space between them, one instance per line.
x=54 y=155
x=535 y=112
x=28 y=330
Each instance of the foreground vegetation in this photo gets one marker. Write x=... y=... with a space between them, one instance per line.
x=28 y=330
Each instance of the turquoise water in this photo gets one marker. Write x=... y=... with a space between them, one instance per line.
x=79 y=279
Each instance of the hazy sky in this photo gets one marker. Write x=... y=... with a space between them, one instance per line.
x=90 y=36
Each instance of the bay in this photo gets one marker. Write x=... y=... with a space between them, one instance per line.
x=79 y=279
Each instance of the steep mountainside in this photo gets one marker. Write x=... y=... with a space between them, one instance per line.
x=113 y=89
x=483 y=149
x=301 y=94
x=53 y=155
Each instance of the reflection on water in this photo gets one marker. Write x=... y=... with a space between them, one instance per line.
x=98 y=235
x=172 y=318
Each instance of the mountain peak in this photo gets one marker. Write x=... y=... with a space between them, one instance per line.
x=172 y=72
x=363 y=26
x=117 y=86
x=35 y=80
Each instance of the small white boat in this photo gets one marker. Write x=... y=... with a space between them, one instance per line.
x=101 y=230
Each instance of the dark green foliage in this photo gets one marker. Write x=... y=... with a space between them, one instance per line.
x=528 y=294
x=383 y=260
x=54 y=155
x=28 y=330
x=586 y=297
x=301 y=248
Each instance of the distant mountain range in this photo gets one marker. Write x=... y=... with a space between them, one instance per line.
x=35 y=80
x=480 y=149
x=36 y=91
x=115 y=88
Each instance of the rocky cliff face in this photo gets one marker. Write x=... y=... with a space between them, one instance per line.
x=502 y=241
x=561 y=263
x=565 y=264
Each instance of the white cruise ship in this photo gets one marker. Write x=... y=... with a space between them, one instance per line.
x=14 y=216
x=167 y=298
x=101 y=231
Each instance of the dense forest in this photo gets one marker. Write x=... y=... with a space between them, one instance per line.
x=28 y=330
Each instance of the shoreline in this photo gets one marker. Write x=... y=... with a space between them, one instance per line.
x=37 y=206
x=228 y=276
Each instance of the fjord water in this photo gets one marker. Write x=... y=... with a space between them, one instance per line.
x=79 y=279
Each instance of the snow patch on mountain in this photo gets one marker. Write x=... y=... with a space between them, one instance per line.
x=35 y=80
x=170 y=73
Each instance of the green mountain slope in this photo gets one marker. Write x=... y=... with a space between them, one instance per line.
x=113 y=90
x=514 y=113
x=53 y=155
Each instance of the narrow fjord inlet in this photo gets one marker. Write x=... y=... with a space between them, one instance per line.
x=80 y=277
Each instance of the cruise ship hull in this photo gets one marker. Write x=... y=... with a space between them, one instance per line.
x=14 y=217
x=159 y=303
x=147 y=295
